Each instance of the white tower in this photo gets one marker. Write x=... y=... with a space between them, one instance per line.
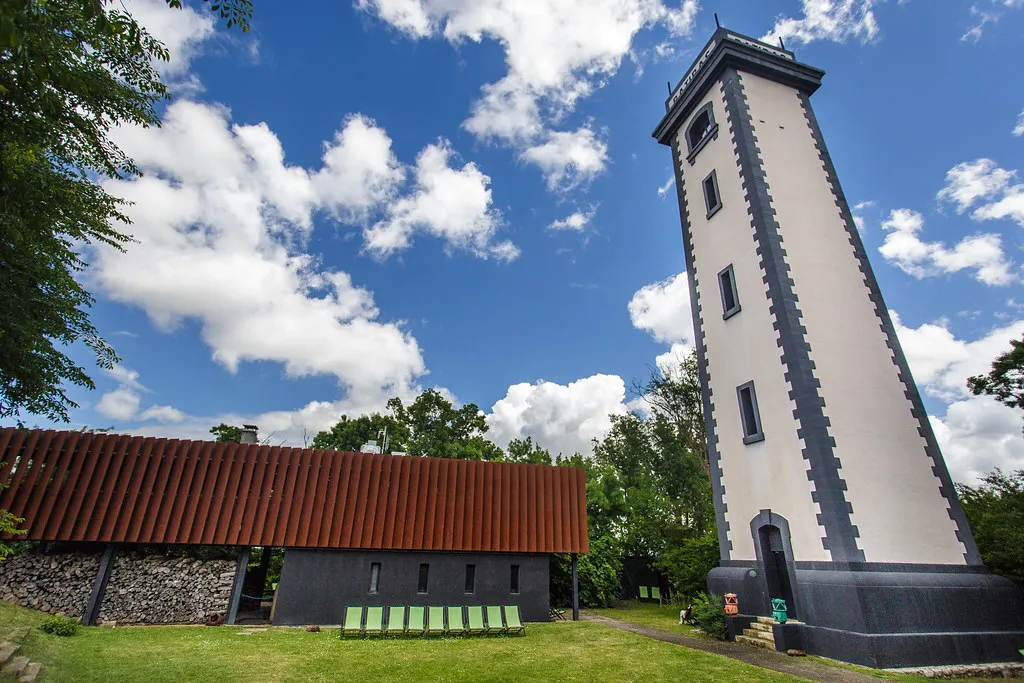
x=830 y=489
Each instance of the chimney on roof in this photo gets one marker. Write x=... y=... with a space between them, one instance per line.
x=249 y=433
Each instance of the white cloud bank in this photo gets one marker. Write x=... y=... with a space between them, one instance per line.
x=988 y=191
x=557 y=52
x=835 y=20
x=904 y=248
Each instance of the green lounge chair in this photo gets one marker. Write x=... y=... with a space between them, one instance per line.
x=655 y=593
x=396 y=621
x=416 y=623
x=455 y=623
x=435 y=620
x=353 y=621
x=495 y=623
x=476 y=619
x=374 y=621
x=515 y=624
x=643 y=593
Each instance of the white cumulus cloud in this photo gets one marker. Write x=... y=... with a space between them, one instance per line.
x=663 y=310
x=991 y=192
x=577 y=221
x=556 y=52
x=836 y=20
x=904 y=248
x=564 y=418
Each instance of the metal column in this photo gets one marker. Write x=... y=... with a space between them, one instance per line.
x=99 y=586
x=236 y=587
x=575 y=590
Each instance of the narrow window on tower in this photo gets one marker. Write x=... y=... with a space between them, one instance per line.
x=514 y=583
x=749 y=415
x=470 y=578
x=421 y=587
x=374 y=577
x=702 y=129
x=712 y=200
x=730 y=298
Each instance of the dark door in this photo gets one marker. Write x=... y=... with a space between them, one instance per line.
x=776 y=572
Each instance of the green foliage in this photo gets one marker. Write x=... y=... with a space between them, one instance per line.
x=687 y=565
x=8 y=525
x=437 y=429
x=59 y=626
x=1006 y=379
x=525 y=451
x=349 y=434
x=598 y=573
x=709 y=615
x=67 y=80
x=995 y=510
x=227 y=433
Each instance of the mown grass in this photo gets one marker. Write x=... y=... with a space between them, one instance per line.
x=566 y=651
x=666 y=618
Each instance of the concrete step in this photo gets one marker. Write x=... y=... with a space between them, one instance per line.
x=7 y=651
x=30 y=672
x=753 y=633
x=758 y=626
x=14 y=667
x=765 y=620
x=756 y=642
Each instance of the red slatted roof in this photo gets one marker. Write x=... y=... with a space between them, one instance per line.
x=73 y=486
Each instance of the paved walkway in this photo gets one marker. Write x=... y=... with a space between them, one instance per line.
x=793 y=666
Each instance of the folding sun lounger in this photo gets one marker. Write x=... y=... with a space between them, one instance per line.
x=374 y=621
x=643 y=593
x=455 y=624
x=396 y=621
x=495 y=623
x=435 y=620
x=416 y=623
x=353 y=621
x=476 y=619
x=655 y=593
x=515 y=624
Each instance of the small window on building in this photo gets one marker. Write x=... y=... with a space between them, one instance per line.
x=730 y=298
x=749 y=415
x=712 y=199
x=702 y=129
x=470 y=578
x=514 y=584
x=421 y=587
x=374 y=577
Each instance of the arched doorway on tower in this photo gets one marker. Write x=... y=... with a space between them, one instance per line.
x=775 y=555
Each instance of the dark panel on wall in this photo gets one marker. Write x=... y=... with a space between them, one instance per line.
x=317 y=585
x=124 y=489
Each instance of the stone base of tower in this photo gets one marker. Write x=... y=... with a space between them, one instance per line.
x=890 y=615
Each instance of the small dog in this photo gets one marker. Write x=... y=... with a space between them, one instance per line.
x=684 y=615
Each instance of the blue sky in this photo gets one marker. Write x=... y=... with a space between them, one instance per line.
x=363 y=200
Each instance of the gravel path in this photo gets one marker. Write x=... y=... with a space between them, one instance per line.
x=793 y=666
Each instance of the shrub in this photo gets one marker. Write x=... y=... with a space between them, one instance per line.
x=709 y=615
x=687 y=565
x=59 y=626
x=598 y=570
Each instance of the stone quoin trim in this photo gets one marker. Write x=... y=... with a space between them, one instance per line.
x=828 y=487
x=710 y=428
x=946 y=488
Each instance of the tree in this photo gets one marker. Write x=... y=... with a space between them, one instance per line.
x=70 y=71
x=525 y=451
x=227 y=433
x=995 y=510
x=438 y=429
x=349 y=434
x=1006 y=379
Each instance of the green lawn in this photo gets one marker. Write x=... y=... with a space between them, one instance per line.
x=649 y=614
x=567 y=651
x=667 y=619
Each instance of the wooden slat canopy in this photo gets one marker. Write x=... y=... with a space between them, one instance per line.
x=73 y=486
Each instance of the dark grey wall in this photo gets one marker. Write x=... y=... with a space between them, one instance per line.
x=317 y=585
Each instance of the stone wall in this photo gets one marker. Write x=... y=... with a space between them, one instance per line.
x=152 y=589
x=58 y=584
x=143 y=588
